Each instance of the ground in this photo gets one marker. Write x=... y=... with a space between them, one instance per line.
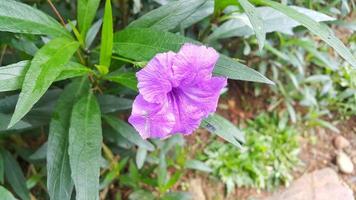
x=317 y=150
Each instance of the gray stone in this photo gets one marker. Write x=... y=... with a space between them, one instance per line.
x=196 y=189
x=340 y=142
x=344 y=163
x=322 y=184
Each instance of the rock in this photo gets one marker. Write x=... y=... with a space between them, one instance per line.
x=340 y=142
x=196 y=189
x=322 y=184
x=344 y=163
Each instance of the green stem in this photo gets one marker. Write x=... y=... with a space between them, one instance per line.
x=124 y=59
x=2 y=54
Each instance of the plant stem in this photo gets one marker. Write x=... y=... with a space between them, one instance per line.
x=124 y=59
x=54 y=9
x=2 y=54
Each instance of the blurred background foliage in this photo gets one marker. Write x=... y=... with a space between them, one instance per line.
x=314 y=88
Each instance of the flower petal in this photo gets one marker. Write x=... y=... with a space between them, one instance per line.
x=154 y=81
x=187 y=114
x=151 y=120
x=194 y=63
x=205 y=94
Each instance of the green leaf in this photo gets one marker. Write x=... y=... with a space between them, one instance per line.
x=85 y=138
x=92 y=32
x=127 y=79
x=107 y=34
x=71 y=70
x=173 y=180
x=11 y=76
x=235 y=70
x=86 y=10
x=59 y=181
x=169 y=16
x=198 y=165
x=141 y=157
x=40 y=153
x=162 y=173
x=141 y=195
x=45 y=67
x=17 y=17
x=322 y=30
x=4 y=122
x=128 y=132
x=273 y=20
x=111 y=103
x=14 y=176
x=201 y=13
x=256 y=22
x=5 y=194
x=220 y=5
x=2 y=169
x=177 y=196
x=224 y=129
x=143 y=44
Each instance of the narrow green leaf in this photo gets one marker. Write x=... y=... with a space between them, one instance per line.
x=4 y=122
x=112 y=103
x=92 y=32
x=15 y=176
x=45 y=67
x=18 y=17
x=201 y=13
x=71 y=70
x=142 y=44
x=172 y=180
x=86 y=10
x=128 y=132
x=11 y=76
x=169 y=16
x=2 y=169
x=224 y=129
x=85 y=138
x=235 y=70
x=322 y=30
x=140 y=157
x=141 y=195
x=127 y=79
x=5 y=194
x=40 y=153
x=273 y=21
x=220 y=5
x=162 y=172
x=107 y=34
x=59 y=181
x=256 y=21
x=177 y=196
x=198 y=165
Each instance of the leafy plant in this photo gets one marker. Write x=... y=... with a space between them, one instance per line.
x=63 y=81
x=267 y=160
x=74 y=122
x=166 y=165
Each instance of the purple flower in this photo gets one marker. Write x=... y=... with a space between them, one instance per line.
x=176 y=91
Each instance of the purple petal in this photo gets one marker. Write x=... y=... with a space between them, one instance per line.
x=187 y=114
x=206 y=94
x=151 y=120
x=194 y=63
x=154 y=81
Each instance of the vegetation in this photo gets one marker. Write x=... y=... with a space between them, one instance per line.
x=267 y=160
x=67 y=84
